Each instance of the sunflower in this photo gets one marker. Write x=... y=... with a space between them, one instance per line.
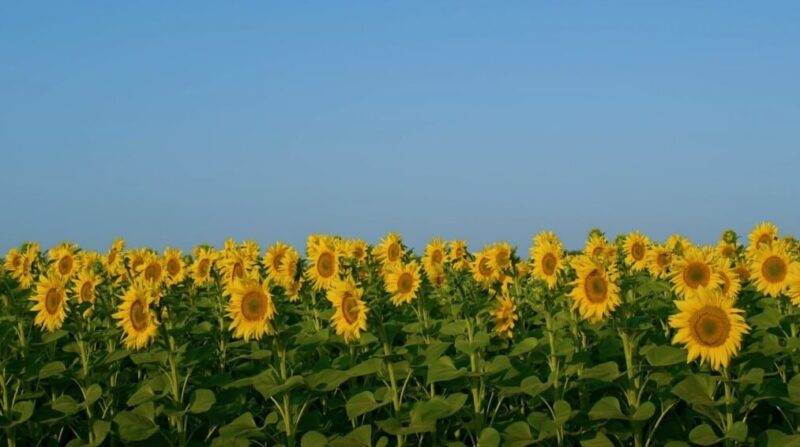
x=742 y=271
x=730 y=284
x=793 y=290
x=51 y=301
x=288 y=269
x=200 y=270
x=710 y=328
x=458 y=256
x=769 y=267
x=20 y=264
x=596 y=245
x=726 y=250
x=436 y=277
x=357 y=249
x=293 y=291
x=505 y=317
x=250 y=308
x=677 y=243
x=402 y=281
x=234 y=265
x=137 y=320
x=63 y=257
x=763 y=234
x=595 y=292
x=435 y=254
x=112 y=261
x=693 y=272
x=390 y=250
x=635 y=248
x=350 y=313
x=500 y=257
x=87 y=260
x=546 y=236
x=482 y=269
x=659 y=258
x=323 y=263
x=13 y=260
x=151 y=269
x=173 y=264
x=84 y=286
x=250 y=250
x=273 y=259
x=548 y=262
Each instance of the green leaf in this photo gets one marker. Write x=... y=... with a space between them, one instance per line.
x=767 y=319
x=360 y=437
x=606 y=372
x=562 y=412
x=606 y=408
x=777 y=438
x=21 y=412
x=599 y=440
x=793 y=387
x=268 y=388
x=703 y=435
x=92 y=394
x=665 y=356
x=489 y=438
x=100 y=430
x=696 y=389
x=133 y=427
x=202 y=401
x=518 y=434
x=457 y=327
x=525 y=346
x=497 y=365
x=738 y=432
x=50 y=337
x=313 y=439
x=362 y=403
x=754 y=376
x=644 y=412
x=143 y=394
x=51 y=369
x=242 y=426
x=65 y=404
x=366 y=368
x=444 y=370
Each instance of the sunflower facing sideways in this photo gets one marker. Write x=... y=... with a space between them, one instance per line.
x=659 y=259
x=710 y=327
x=137 y=320
x=505 y=317
x=500 y=257
x=635 y=248
x=50 y=301
x=403 y=281
x=458 y=256
x=762 y=234
x=595 y=291
x=769 y=268
x=390 y=250
x=288 y=269
x=482 y=269
x=730 y=284
x=112 y=261
x=84 y=286
x=693 y=272
x=323 y=263
x=200 y=270
x=350 y=313
x=250 y=309
x=234 y=265
x=273 y=259
x=547 y=259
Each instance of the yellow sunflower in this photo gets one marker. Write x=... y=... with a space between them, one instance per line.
x=505 y=317
x=742 y=271
x=730 y=284
x=635 y=247
x=234 y=265
x=273 y=259
x=659 y=258
x=693 y=272
x=112 y=261
x=793 y=290
x=547 y=236
x=151 y=269
x=435 y=254
x=769 y=267
x=84 y=286
x=726 y=250
x=710 y=327
x=595 y=291
x=677 y=243
x=20 y=264
x=482 y=269
x=763 y=234
x=357 y=249
x=173 y=264
x=500 y=256
x=250 y=250
x=458 y=256
x=390 y=250
x=323 y=263
x=87 y=260
x=350 y=313
x=250 y=309
x=548 y=262
x=135 y=259
x=137 y=320
x=50 y=301
x=402 y=281
x=293 y=291
x=204 y=258
x=64 y=260
x=436 y=277
x=288 y=269
x=596 y=246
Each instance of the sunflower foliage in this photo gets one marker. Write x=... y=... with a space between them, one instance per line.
x=627 y=341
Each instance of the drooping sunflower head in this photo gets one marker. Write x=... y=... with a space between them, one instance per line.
x=273 y=259
x=762 y=234
x=595 y=292
x=50 y=300
x=505 y=317
x=84 y=286
x=548 y=262
x=482 y=269
x=350 y=312
x=112 y=261
x=390 y=250
x=730 y=284
x=693 y=272
x=402 y=281
x=135 y=316
x=636 y=246
x=457 y=255
x=710 y=327
x=434 y=258
x=769 y=268
x=250 y=308
x=63 y=257
x=659 y=258
x=204 y=258
x=323 y=261
x=174 y=265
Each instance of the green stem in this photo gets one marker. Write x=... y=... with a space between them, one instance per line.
x=728 y=402
x=392 y=383
x=632 y=394
x=553 y=358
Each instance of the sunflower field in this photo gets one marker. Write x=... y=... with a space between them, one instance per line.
x=627 y=342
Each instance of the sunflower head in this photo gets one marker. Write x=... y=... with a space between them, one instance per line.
x=635 y=247
x=174 y=266
x=457 y=255
x=50 y=300
x=402 y=281
x=595 y=292
x=84 y=286
x=390 y=250
x=546 y=236
x=762 y=234
x=678 y=244
x=710 y=327
x=152 y=270
x=769 y=268
x=350 y=313
x=730 y=283
x=727 y=250
x=693 y=272
x=250 y=308
x=323 y=263
x=136 y=317
x=659 y=258
x=505 y=317
x=204 y=258
x=596 y=245
x=64 y=259
x=482 y=269
x=547 y=258
x=434 y=257
x=273 y=260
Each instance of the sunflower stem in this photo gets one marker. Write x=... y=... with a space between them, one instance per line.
x=728 y=403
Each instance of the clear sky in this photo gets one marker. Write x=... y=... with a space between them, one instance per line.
x=174 y=123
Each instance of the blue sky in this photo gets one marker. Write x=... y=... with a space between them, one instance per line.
x=174 y=123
